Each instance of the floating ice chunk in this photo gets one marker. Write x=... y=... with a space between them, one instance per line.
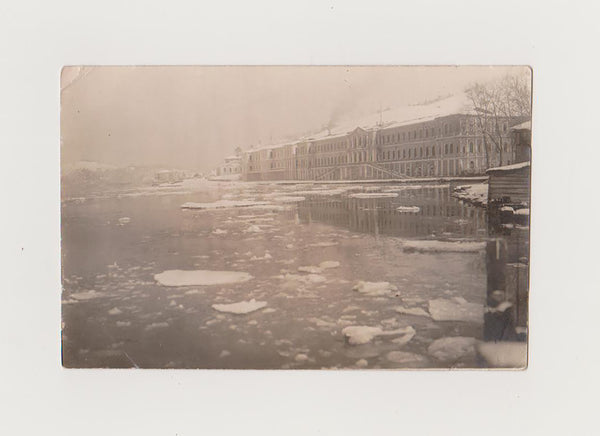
x=124 y=220
x=241 y=307
x=426 y=246
x=504 y=354
x=253 y=229
x=269 y=310
x=224 y=353
x=374 y=288
x=267 y=256
x=415 y=311
x=200 y=277
x=252 y=322
x=360 y=334
x=408 y=209
x=374 y=195
x=321 y=323
x=362 y=363
x=87 y=295
x=123 y=323
x=404 y=357
x=507 y=209
x=222 y=204
x=219 y=232
x=157 y=325
x=323 y=244
x=308 y=279
x=522 y=212
x=329 y=264
x=457 y=309
x=452 y=348
x=477 y=193
x=192 y=292
x=310 y=269
x=115 y=311
x=301 y=357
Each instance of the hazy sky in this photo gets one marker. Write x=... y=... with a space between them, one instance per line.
x=192 y=117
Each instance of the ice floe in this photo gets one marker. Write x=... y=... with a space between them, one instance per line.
x=374 y=288
x=224 y=204
x=435 y=246
x=200 y=277
x=415 y=311
x=241 y=307
x=329 y=264
x=124 y=220
x=457 y=309
x=224 y=353
x=476 y=193
x=115 y=311
x=310 y=269
x=157 y=325
x=373 y=195
x=87 y=295
x=219 y=232
x=358 y=335
x=524 y=211
x=323 y=244
x=403 y=357
x=452 y=348
x=123 y=323
x=253 y=229
x=361 y=363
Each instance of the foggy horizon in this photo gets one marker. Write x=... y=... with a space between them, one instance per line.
x=193 y=117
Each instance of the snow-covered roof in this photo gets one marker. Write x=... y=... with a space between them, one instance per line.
x=233 y=157
x=397 y=117
x=523 y=126
x=512 y=167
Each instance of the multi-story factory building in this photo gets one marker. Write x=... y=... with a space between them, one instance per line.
x=445 y=146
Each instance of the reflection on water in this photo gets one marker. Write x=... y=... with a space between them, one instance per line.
x=425 y=212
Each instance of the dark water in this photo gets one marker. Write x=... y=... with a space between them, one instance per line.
x=128 y=319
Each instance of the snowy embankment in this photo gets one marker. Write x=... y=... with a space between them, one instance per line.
x=476 y=194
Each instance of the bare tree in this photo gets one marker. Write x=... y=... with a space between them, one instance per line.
x=497 y=104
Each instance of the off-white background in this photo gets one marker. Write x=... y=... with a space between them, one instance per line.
x=556 y=395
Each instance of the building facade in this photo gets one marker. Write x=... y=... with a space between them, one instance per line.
x=447 y=146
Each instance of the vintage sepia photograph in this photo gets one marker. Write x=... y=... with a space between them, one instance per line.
x=295 y=217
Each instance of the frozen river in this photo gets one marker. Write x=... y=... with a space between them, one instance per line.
x=342 y=276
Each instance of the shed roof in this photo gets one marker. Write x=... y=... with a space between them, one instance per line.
x=512 y=167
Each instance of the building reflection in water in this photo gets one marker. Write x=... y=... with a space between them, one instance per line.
x=438 y=214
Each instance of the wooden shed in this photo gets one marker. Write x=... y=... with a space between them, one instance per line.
x=510 y=184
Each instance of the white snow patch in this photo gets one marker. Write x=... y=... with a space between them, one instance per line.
x=241 y=307
x=358 y=335
x=524 y=211
x=124 y=220
x=374 y=195
x=301 y=357
x=477 y=193
x=374 y=288
x=455 y=310
x=431 y=246
x=219 y=232
x=253 y=229
x=178 y=277
x=224 y=353
x=123 y=323
x=452 y=348
x=115 y=311
x=269 y=310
